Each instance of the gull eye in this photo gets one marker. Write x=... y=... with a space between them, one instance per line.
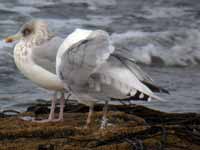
x=26 y=32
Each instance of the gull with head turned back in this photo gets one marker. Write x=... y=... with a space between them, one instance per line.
x=94 y=71
x=35 y=56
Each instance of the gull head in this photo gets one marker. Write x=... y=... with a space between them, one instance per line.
x=33 y=31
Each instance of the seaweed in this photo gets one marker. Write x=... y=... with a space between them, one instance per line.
x=131 y=127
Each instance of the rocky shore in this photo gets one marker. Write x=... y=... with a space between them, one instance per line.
x=130 y=127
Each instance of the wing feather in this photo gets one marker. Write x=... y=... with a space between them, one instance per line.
x=91 y=68
x=139 y=73
x=84 y=57
x=44 y=55
x=123 y=83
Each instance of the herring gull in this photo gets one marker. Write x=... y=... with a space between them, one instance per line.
x=94 y=71
x=35 y=57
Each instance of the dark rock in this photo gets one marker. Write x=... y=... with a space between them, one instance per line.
x=38 y=109
x=46 y=147
x=41 y=110
x=130 y=127
x=8 y=113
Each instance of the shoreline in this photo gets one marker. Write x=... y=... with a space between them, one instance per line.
x=130 y=127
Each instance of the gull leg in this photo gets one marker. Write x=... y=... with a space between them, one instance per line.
x=88 y=121
x=104 y=118
x=62 y=106
x=53 y=105
x=51 y=115
x=69 y=95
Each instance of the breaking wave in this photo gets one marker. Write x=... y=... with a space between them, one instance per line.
x=170 y=48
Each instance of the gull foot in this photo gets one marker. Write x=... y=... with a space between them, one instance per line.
x=82 y=127
x=47 y=120
x=58 y=120
x=104 y=123
x=85 y=127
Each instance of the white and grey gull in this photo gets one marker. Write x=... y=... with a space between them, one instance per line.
x=94 y=71
x=35 y=56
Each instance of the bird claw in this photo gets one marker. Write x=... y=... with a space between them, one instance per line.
x=104 y=123
x=82 y=128
x=47 y=120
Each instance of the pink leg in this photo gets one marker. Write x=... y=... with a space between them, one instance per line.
x=51 y=115
x=62 y=106
x=89 y=116
x=104 y=119
x=53 y=105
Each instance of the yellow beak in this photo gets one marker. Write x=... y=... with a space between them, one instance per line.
x=13 y=38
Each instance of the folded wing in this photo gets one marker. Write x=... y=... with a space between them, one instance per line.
x=117 y=81
x=139 y=73
x=44 y=55
x=91 y=67
x=84 y=57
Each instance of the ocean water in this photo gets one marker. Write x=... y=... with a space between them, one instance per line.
x=162 y=35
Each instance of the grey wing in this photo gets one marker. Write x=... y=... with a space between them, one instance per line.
x=116 y=81
x=131 y=64
x=83 y=58
x=44 y=55
x=139 y=73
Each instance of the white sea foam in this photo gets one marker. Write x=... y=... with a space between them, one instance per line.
x=60 y=25
x=93 y=4
x=164 y=12
x=178 y=48
x=36 y=2
x=7 y=22
x=24 y=10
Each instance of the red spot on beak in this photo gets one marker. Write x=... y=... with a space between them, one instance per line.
x=8 y=40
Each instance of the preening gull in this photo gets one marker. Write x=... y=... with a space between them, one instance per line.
x=92 y=70
x=35 y=57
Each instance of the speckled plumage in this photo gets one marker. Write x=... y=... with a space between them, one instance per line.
x=35 y=57
x=31 y=65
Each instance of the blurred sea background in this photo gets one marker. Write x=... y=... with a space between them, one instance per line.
x=162 y=35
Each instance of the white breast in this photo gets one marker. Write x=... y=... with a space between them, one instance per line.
x=42 y=77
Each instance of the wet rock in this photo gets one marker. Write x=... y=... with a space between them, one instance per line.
x=39 y=109
x=130 y=127
x=8 y=113
x=2 y=115
x=46 y=147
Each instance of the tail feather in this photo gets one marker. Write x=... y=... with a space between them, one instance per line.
x=139 y=96
x=137 y=71
x=155 y=88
